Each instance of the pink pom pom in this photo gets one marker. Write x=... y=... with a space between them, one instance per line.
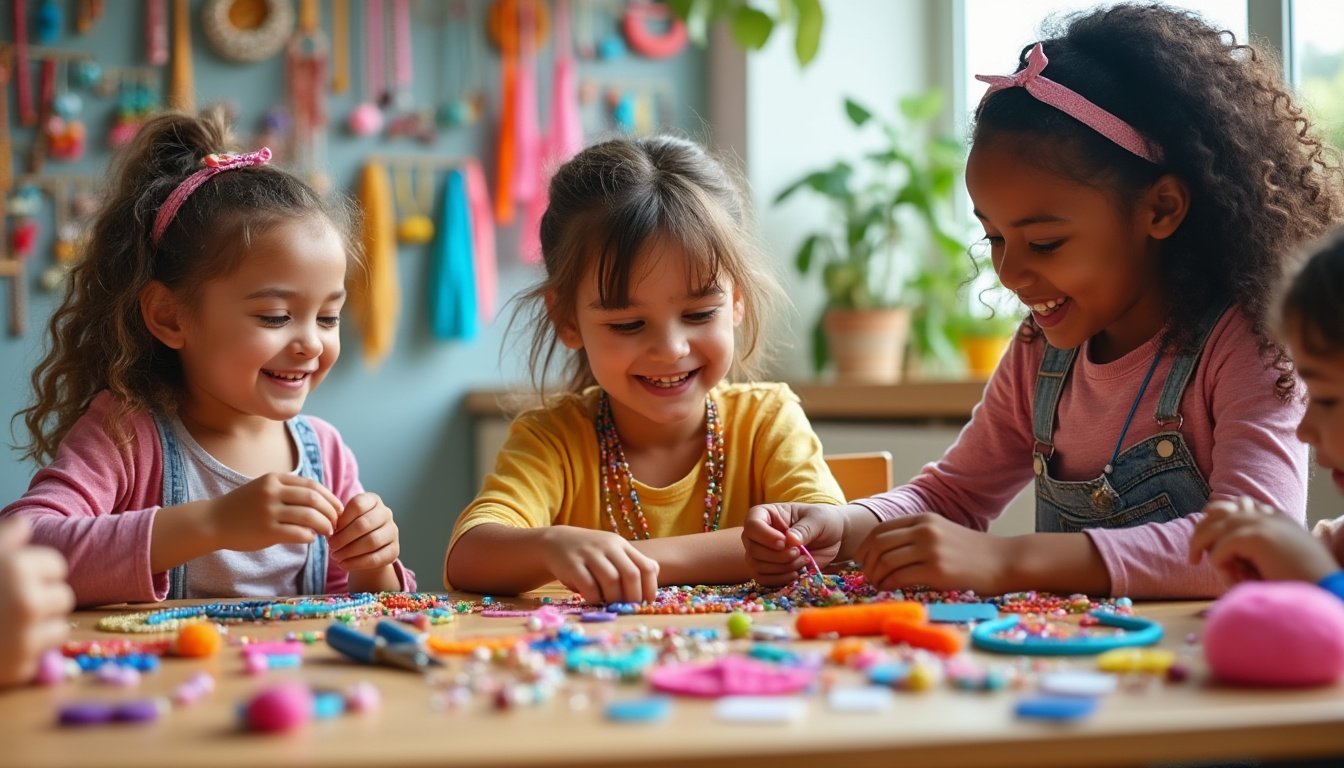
x=1277 y=633
x=363 y=697
x=366 y=120
x=50 y=668
x=281 y=707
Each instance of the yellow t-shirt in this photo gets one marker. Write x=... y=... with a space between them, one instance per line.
x=547 y=471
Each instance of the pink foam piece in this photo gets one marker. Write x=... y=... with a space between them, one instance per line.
x=50 y=668
x=1276 y=633
x=281 y=707
x=730 y=676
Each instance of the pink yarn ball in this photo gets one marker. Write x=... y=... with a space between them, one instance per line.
x=1276 y=633
x=366 y=120
x=281 y=707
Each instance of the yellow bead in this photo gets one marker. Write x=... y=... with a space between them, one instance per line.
x=1150 y=660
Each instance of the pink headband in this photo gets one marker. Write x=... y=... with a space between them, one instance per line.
x=214 y=164
x=1068 y=101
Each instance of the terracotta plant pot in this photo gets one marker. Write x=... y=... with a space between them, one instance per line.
x=868 y=346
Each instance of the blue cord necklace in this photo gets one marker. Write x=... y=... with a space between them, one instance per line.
x=1110 y=465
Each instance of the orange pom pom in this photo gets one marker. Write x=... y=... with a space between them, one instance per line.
x=933 y=637
x=197 y=640
x=863 y=619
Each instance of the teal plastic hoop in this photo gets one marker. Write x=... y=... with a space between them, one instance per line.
x=1137 y=632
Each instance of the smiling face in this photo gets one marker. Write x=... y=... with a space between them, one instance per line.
x=1084 y=266
x=255 y=343
x=660 y=354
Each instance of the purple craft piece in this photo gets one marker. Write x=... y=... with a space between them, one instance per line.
x=592 y=616
x=139 y=711
x=85 y=713
x=730 y=676
x=504 y=613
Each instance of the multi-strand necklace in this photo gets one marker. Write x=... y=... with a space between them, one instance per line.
x=618 y=485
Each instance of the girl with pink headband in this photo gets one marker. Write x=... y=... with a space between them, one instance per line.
x=1142 y=181
x=205 y=310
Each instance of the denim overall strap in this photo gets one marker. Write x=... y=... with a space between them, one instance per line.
x=1169 y=402
x=313 y=580
x=1054 y=370
x=174 y=493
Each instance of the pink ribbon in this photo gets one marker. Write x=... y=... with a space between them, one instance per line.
x=1071 y=103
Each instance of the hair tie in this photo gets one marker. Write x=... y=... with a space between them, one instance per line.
x=1071 y=103
x=214 y=164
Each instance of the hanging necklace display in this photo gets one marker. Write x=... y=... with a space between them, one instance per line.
x=136 y=101
x=415 y=226
x=618 y=484
x=156 y=32
x=181 y=93
x=340 y=46
x=22 y=78
x=46 y=96
x=366 y=119
x=50 y=19
x=87 y=14
x=66 y=135
x=635 y=25
x=306 y=64
x=73 y=206
x=247 y=30
x=409 y=122
x=24 y=206
x=462 y=35
x=6 y=141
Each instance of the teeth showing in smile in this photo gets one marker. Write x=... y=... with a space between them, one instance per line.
x=666 y=382
x=1048 y=307
x=300 y=376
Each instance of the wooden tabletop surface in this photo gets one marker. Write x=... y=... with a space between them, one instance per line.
x=1194 y=720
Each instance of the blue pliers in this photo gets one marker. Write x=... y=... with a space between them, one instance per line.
x=392 y=644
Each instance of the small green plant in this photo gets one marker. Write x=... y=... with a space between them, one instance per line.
x=890 y=239
x=751 y=25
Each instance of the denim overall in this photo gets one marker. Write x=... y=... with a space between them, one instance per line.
x=1153 y=481
x=314 y=576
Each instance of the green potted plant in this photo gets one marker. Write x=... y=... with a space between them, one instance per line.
x=983 y=337
x=889 y=263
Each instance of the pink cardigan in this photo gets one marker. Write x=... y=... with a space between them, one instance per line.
x=96 y=504
x=1242 y=438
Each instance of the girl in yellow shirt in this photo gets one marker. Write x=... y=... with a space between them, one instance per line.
x=640 y=473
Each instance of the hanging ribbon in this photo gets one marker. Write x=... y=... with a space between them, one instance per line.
x=504 y=164
x=526 y=174
x=183 y=96
x=452 y=287
x=377 y=303
x=482 y=241
x=564 y=136
x=22 y=79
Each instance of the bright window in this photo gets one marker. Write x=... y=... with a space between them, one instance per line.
x=1318 y=61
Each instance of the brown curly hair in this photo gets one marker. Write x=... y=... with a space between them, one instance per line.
x=611 y=201
x=1262 y=181
x=98 y=339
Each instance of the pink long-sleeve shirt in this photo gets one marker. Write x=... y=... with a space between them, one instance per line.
x=1241 y=435
x=96 y=504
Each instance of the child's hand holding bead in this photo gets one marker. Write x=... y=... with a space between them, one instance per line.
x=34 y=602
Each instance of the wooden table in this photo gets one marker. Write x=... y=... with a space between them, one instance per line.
x=943 y=727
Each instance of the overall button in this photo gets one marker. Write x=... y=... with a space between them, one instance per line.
x=1037 y=465
x=1165 y=448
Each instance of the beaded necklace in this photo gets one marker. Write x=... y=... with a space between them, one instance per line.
x=618 y=484
x=341 y=607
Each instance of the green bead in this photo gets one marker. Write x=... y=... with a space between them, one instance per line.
x=739 y=625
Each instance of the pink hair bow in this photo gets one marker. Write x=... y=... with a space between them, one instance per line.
x=214 y=164
x=1071 y=103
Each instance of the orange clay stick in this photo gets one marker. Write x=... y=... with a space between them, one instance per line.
x=862 y=619
x=933 y=637
x=468 y=645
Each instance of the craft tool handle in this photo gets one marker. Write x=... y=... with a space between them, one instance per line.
x=352 y=643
